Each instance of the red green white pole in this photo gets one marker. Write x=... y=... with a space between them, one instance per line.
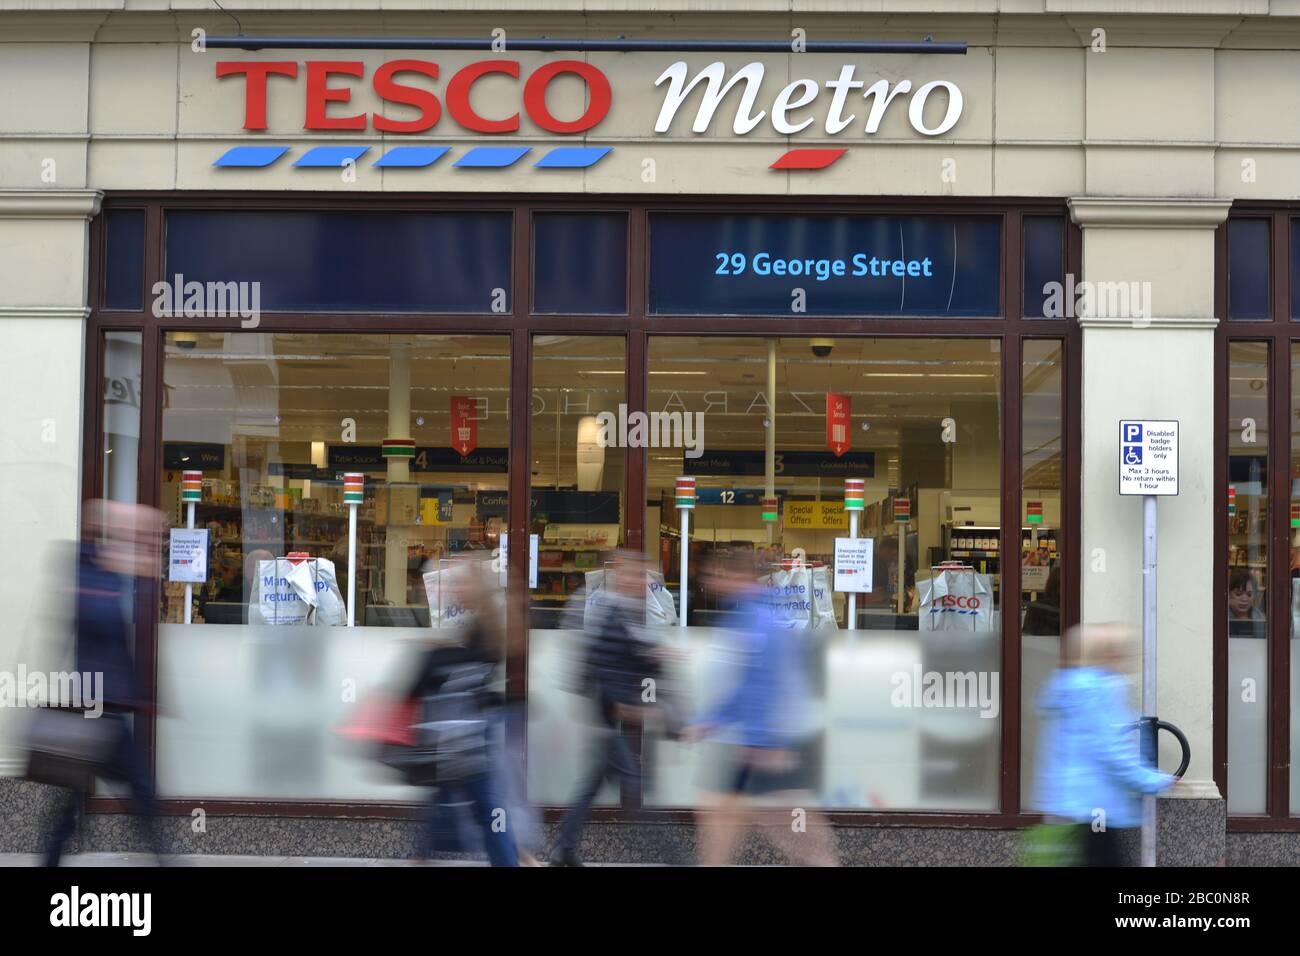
x=854 y=503
x=353 y=492
x=685 y=504
x=191 y=494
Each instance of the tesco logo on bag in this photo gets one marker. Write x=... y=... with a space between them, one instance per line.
x=958 y=601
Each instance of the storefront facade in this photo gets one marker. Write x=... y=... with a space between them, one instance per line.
x=464 y=274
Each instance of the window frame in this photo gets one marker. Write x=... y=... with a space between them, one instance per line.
x=1012 y=328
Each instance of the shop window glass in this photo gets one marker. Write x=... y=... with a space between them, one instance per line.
x=1248 y=577
x=580 y=263
x=1044 y=249
x=120 y=462
x=273 y=421
x=921 y=428
x=1248 y=269
x=1041 y=543
x=753 y=264
x=577 y=516
x=1293 y=575
x=124 y=259
x=349 y=261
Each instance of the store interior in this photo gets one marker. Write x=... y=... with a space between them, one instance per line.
x=273 y=420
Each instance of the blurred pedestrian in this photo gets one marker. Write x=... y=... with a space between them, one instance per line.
x=770 y=753
x=618 y=659
x=1090 y=773
x=461 y=710
x=120 y=542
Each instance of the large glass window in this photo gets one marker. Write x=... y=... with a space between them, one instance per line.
x=1042 y=442
x=272 y=422
x=124 y=259
x=1044 y=244
x=918 y=422
x=577 y=518
x=1248 y=565
x=1248 y=269
x=1293 y=574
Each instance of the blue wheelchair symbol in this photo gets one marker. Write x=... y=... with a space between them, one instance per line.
x=1132 y=454
x=1133 y=432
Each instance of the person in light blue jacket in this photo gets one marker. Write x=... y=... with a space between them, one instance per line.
x=1090 y=771
x=762 y=720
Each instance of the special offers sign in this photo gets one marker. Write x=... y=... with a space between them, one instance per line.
x=491 y=100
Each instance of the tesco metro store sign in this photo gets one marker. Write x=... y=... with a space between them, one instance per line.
x=711 y=99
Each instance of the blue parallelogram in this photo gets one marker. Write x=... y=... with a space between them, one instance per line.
x=492 y=157
x=330 y=156
x=573 y=157
x=250 y=157
x=411 y=157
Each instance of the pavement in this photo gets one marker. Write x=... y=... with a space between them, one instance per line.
x=203 y=859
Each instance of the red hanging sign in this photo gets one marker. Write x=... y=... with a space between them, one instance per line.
x=839 y=411
x=464 y=424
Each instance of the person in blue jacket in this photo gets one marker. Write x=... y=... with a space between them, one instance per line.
x=761 y=720
x=121 y=542
x=1090 y=772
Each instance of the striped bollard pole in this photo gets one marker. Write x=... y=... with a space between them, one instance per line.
x=353 y=492
x=854 y=504
x=685 y=505
x=902 y=518
x=191 y=494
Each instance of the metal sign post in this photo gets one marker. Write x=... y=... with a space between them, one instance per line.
x=1148 y=466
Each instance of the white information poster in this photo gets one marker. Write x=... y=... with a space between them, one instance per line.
x=188 y=556
x=1034 y=578
x=853 y=557
x=532 y=560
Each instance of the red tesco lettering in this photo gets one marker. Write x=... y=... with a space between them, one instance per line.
x=408 y=83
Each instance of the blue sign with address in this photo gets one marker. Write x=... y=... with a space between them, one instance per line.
x=774 y=264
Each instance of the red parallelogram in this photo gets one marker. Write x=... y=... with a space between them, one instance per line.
x=808 y=158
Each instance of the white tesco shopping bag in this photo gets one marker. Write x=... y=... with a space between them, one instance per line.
x=956 y=600
x=444 y=610
x=304 y=591
x=823 y=610
x=660 y=608
x=790 y=591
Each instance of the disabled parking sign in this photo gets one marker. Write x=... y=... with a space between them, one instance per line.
x=1148 y=457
